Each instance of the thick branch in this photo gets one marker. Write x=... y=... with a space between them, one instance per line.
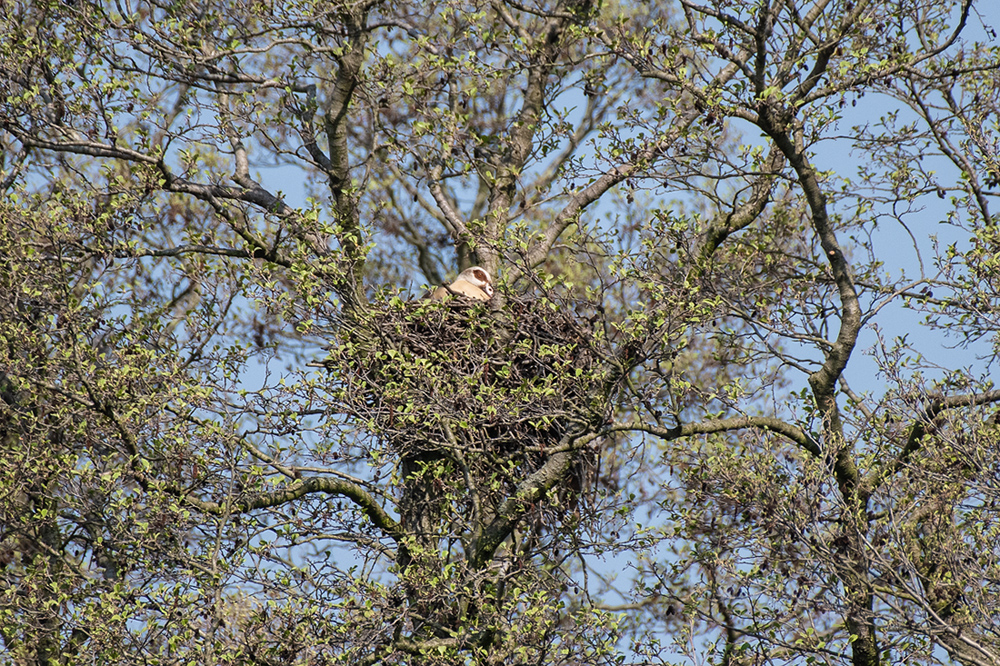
x=823 y=381
x=725 y=225
x=316 y=484
x=546 y=46
x=768 y=423
x=336 y=119
x=338 y=103
x=930 y=415
x=588 y=195
x=776 y=122
x=530 y=490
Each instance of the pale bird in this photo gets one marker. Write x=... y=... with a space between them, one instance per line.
x=474 y=283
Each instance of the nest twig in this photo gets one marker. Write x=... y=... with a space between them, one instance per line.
x=431 y=379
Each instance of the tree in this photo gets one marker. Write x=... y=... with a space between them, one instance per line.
x=732 y=402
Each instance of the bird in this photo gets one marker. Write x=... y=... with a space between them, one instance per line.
x=474 y=283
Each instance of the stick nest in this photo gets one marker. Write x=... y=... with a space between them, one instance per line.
x=428 y=378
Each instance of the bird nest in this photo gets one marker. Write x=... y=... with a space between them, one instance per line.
x=500 y=388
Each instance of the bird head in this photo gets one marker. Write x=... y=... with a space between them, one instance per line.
x=480 y=277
